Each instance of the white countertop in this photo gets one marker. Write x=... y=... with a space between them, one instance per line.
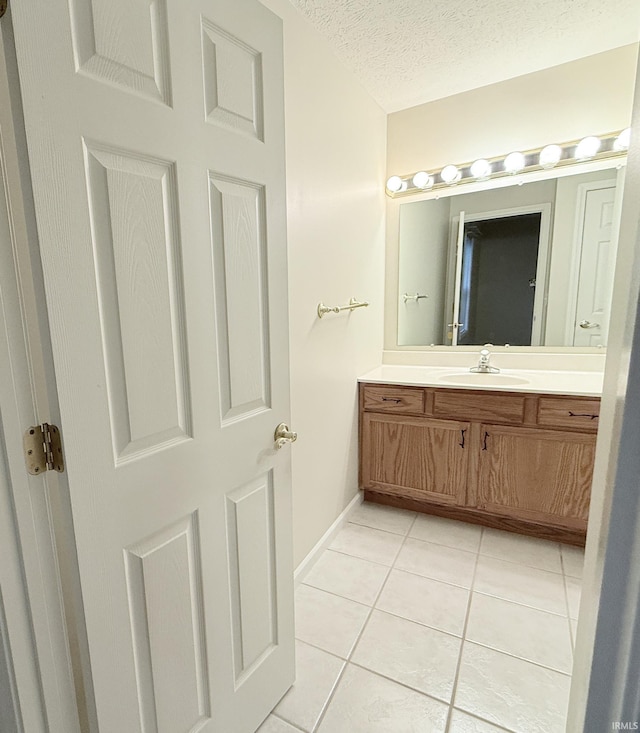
x=586 y=384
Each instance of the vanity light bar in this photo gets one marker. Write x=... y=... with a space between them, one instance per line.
x=611 y=145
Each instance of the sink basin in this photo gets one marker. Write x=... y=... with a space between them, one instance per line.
x=484 y=380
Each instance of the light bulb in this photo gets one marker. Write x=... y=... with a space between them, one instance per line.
x=481 y=169
x=422 y=180
x=394 y=184
x=550 y=156
x=514 y=163
x=587 y=148
x=450 y=174
x=623 y=140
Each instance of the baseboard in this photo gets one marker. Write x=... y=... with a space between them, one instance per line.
x=326 y=539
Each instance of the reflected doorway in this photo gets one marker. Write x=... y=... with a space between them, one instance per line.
x=500 y=294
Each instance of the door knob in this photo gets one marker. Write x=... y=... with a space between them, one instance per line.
x=283 y=435
x=588 y=324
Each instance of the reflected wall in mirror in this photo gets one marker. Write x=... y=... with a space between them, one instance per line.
x=524 y=265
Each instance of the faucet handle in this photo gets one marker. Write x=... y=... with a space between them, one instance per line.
x=485 y=352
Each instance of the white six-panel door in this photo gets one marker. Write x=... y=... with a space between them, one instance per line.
x=596 y=264
x=156 y=144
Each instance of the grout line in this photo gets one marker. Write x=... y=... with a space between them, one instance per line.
x=336 y=595
x=399 y=682
x=433 y=580
x=288 y=722
x=421 y=623
x=370 y=526
x=456 y=677
x=516 y=656
x=519 y=603
x=359 y=636
x=319 y=648
x=357 y=557
x=483 y=720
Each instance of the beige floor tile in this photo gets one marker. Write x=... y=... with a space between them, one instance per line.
x=574 y=592
x=521 y=584
x=364 y=702
x=327 y=621
x=426 y=601
x=274 y=724
x=351 y=577
x=316 y=675
x=383 y=517
x=415 y=655
x=572 y=560
x=518 y=548
x=510 y=692
x=463 y=723
x=534 y=635
x=437 y=562
x=367 y=543
x=449 y=532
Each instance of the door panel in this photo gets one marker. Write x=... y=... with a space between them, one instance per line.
x=128 y=49
x=233 y=82
x=136 y=244
x=165 y=598
x=159 y=191
x=239 y=247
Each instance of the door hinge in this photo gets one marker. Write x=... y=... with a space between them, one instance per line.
x=43 y=449
x=3 y=7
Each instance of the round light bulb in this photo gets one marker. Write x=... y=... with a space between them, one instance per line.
x=514 y=163
x=422 y=180
x=587 y=148
x=394 y=184
x=481 y=169
x=450 y=174
x=550 y=156
x=623 y=140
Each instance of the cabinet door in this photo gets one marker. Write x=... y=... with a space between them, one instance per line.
x=416 y=458
x=541 y=475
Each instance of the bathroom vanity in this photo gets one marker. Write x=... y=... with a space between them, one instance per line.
x=516 y=459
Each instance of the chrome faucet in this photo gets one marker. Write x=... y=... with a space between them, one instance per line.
x=484 y=367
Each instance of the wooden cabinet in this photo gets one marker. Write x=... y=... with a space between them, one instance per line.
x=512 y=460
x=416 y=457
x=540 y=475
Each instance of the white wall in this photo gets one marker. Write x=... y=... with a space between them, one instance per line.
x=590 y=96
x=336 y=148
x=586 y=97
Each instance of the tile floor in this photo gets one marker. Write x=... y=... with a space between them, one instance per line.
x=414 y=623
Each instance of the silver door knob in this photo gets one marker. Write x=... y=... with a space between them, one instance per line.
x=283 y=435
x=588 y=324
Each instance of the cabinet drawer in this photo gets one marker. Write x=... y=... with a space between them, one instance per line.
x=573 y=413
x=465 y=405
x=399 y=400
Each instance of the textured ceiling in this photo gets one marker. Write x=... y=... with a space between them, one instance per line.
x=407 y=52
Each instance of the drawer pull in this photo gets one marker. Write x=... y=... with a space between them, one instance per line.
x=484 y=440
x=583 y=414
x=461 y=444
x=391 y=399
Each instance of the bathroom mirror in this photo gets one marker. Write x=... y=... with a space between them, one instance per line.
x=523 y=265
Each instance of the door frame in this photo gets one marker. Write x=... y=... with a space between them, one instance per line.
x=606 y=678
x=542 y=269
x=39 y=501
